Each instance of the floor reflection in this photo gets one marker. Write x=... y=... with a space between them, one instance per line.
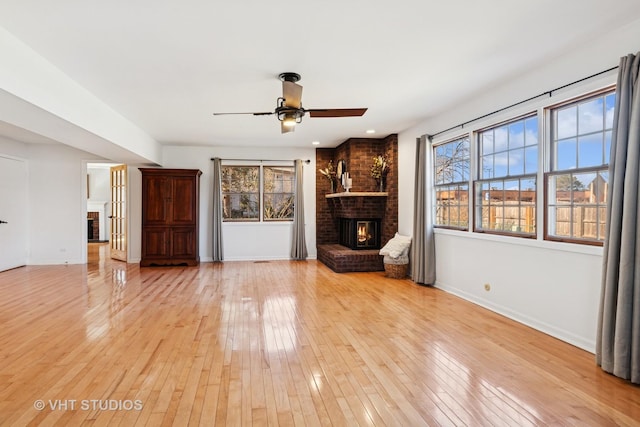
x=279 y=323
x=105 y=291
x=275 y=318
x=483 y=394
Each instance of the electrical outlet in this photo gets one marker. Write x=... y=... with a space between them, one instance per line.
x=487 y=287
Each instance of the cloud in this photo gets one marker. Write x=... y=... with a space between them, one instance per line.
x=585 y=117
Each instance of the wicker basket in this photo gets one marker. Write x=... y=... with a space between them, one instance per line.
x=396 y=268
x=396 y=271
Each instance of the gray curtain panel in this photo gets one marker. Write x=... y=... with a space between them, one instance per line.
x=618 y=334
x=298 y=242
x=218 y=254
x=423 y=251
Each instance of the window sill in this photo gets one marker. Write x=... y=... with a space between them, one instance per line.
x=255 y=223
x=520 y=241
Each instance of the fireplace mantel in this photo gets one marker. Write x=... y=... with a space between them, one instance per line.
x=357 y=194
x=357 y=204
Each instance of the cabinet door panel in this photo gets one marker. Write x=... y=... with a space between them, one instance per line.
x=183 y=203
x=156 y=195
x=183 y=243
x=155 y=242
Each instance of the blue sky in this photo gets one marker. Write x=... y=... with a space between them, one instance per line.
x=582 y=139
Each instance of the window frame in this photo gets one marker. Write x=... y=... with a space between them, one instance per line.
x=227 y=193
x=480 y=179
x=261 y=200
x=264 y=193
x=552 y=162
x=453 y=185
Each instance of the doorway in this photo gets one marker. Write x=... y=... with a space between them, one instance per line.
x=107 y=221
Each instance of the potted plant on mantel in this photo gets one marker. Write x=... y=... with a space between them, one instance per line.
x=330 y=173
x=379 y=170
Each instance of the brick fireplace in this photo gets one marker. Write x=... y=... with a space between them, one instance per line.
x=93 y=226
x=363 y=202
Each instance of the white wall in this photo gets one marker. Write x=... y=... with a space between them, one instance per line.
x=57 y=200
x=99 y=182
x=57 y=225
x=244 y=241
x=13 y=148
x=553 y=287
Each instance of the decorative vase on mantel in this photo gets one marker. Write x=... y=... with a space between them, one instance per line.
x=381 y=185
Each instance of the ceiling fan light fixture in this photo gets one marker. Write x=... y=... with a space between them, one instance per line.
x=289 y=109
x=290 y=116
x=289 y=120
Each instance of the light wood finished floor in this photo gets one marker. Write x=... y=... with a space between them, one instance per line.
x=279 y=343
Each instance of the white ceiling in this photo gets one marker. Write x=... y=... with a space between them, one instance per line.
x=167 y=66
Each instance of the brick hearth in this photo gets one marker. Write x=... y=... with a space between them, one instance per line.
x=342 y=259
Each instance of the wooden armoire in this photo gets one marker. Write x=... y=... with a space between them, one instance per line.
x=170 y=207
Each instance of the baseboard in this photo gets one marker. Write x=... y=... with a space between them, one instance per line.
x=561 y=334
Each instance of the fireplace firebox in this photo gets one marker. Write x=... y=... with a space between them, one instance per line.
x=359 y=233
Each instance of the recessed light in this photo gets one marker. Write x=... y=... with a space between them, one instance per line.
x=371 y=131
x=316 y=142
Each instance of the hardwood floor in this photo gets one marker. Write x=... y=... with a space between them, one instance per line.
x=279 y=343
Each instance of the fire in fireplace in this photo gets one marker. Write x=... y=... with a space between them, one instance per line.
x=359 y=233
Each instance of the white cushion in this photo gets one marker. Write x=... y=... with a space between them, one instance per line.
x=396 y=247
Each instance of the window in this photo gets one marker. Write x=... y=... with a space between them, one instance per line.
x=246 y=188
x=507 y=166
x=578 y=181
x=506 y=191
x=278 y=193
x=241 y=193
x=451 y=174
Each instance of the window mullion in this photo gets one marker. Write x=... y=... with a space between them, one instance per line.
x=474 y=161
x=261 y=191
x=544 y=165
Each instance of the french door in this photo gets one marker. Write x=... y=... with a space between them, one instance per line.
x=118 y=240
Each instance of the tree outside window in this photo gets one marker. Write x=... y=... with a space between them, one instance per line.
x=451 y=175
x=241 y=193
x=278 y=193
x=246 y=188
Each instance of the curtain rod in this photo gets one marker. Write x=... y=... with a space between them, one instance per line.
x=262 y=160
x=549 y=92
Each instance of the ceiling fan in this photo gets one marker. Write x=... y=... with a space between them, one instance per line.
x=289 y=108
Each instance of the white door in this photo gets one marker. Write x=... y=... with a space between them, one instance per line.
x=13 y=213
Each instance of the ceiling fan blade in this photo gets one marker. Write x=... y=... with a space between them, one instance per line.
x=336 y=112
x=286 y=129
x=254 y=114
x=292 y=94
